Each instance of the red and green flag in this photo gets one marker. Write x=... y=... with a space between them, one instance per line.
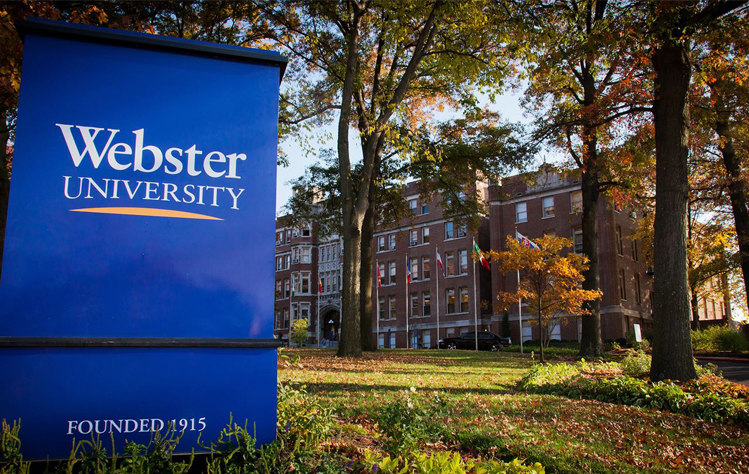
x=480 y=255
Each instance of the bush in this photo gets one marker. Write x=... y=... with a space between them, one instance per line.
x=408 y=422
x=448 y=462
x=636 y=364
x=719 y=339
x=699 y=399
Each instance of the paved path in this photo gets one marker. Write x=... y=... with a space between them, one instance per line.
x=734 y=371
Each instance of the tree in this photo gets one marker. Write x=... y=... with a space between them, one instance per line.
x=587 y=74
x=549 y=281
x=299 y=330
x=674 y=25
x=721 y=111
x=378 y=63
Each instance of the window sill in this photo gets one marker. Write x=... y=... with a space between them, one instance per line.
x=458 y=314
x=548 y=217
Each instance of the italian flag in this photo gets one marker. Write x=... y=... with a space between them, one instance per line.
x=483 y=259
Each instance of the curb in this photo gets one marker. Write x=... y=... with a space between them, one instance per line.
x=724 y=359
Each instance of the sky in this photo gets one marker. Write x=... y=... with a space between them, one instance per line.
x=508 y=105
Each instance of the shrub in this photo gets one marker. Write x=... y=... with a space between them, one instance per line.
x=407 y=422
x=698 y=399
x=447 y=462
x=719 y=339
x=636 y=364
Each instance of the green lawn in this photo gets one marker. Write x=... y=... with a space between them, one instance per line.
x=482 y=415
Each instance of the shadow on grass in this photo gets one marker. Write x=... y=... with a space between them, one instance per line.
x=332 y=388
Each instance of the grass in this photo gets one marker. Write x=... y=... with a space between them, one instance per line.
x=486 y=417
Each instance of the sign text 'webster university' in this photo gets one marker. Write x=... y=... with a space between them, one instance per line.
x=138 y=272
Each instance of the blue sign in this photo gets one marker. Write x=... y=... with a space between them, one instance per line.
x=138 y=274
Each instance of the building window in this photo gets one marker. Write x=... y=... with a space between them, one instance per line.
x=288 y=262
x=450 y=298
x=424 y=209
x=392 y=311
x=306 y=255
x=635 y=256
x=296 y=233
x=463 y=300
x=277 y=320
x=426 y=309
x=286 y=288
x=463 y=261
x=279 y=289
x=450 y=263
x=391 y=241
x=638 y=295
x=576 y=202
x=414 y=206
x=550 y=233
x=279 y=263
x=286 y=318
x=381 y=308
x=425 y=235
x=521 y=212
x=548 y=206
x=391 y=268
x=414 y=238
x=577 y=239
x=619 y=244
x=414 y=269
x=462 y=231
x=288 y=236
x=381 y=243
x=449 y=230
x=306 y=231
x=425 y=270
x=622 y=287
x=414 y=304
x=305 y=287
x=304 y=311
x=279 y=238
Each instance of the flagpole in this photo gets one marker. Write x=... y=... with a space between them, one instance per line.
x=408 y=303
x=317 y=325
x=377 y=295
x=520 y=303
x=291 y=307
x=437 y=298
x=475 y=304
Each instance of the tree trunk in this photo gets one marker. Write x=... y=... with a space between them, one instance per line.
x=591 y=344
x=737 y=189
x=350 y=340
x=4 y=181
x=368 y=343
x=695 y=305
x=672 y=345
x=541 y=331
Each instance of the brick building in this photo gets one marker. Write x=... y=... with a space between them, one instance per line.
x=552 y=204
x=437 y=306
x=304 y=262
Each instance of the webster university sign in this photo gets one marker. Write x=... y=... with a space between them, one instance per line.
x=137 y=282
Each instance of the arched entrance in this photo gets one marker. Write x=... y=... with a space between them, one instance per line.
x=330 y=325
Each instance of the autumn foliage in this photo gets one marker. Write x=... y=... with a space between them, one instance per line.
x=550 y=282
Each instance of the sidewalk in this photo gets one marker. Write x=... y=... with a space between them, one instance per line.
x=740 y=360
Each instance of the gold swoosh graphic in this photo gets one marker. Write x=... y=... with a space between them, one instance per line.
x=146 y=211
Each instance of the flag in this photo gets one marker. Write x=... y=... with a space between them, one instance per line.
x=439 y=262
x=319 y=284
x=379 y=277
x=525 y=241
x=408 y=270
x=483 y=259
